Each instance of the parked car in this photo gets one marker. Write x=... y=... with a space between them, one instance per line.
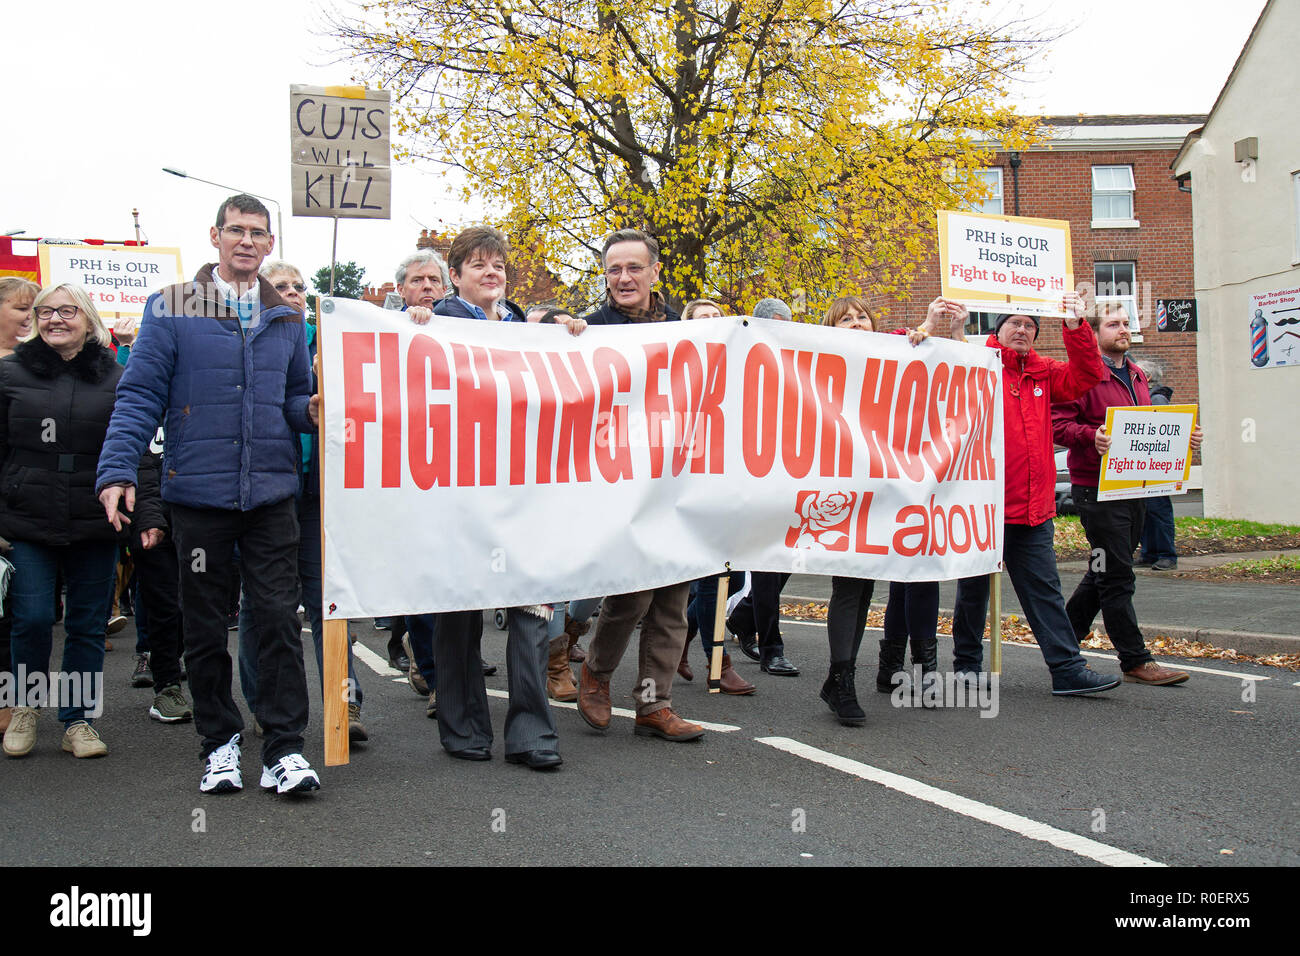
x=1064 y=500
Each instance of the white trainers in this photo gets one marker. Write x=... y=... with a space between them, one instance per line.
x=290 y=774
x=222 y=774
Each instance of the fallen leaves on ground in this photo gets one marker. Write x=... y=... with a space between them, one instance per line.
x=1015 y=630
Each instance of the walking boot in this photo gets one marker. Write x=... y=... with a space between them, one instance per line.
x=891 y=662
x=575 y=629
x=559 y=679
x=842 y=697
x=928 y=661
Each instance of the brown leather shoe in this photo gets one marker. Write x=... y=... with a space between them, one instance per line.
x=664 y=723
x=559 y=679
x=732 y=683
x=6 y=713
x=593 y=700
x=1153 y=673
x=684 y=665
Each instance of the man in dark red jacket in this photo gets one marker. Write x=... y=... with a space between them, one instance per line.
x=1030 y=383
x=1114 y=528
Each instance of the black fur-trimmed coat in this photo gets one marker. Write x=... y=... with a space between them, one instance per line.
x=53 y=417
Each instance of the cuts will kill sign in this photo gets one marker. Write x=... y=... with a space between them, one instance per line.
x=339 y=138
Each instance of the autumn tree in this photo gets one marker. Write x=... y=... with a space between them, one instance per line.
x=767 y=144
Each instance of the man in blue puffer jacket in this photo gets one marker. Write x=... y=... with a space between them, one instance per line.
x=222 y=362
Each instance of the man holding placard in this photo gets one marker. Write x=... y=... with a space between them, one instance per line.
x=1114 y=528
x=1030 y=383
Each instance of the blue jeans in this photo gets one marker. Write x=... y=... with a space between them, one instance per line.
x=88 y=569
x=1030 y=561
x=1158 y=531
x=309 y=580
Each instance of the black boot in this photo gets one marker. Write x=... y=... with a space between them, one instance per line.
x=927 y=657
x=891 y=662
x=841 y=696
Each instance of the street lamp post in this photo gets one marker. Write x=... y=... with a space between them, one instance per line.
x=279 y=222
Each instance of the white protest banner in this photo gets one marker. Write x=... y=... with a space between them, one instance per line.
x=1150 y=451
x=119 y=279
x=472 y=464
x=1274 y=328
x=340 y=155
x=1010 y=264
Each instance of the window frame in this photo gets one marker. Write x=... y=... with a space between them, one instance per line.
x=998 y=194
x=1130 y=191
x=1129 y=301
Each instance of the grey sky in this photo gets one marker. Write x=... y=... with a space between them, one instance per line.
x=101 y=96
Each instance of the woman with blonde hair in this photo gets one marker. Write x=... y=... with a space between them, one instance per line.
x=702 y=309
x=16 y=297
x=57 y=392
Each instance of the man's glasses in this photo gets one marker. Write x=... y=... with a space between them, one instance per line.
x=632 y=271
x=65 y=311
x=239 y=232
x=286 y=286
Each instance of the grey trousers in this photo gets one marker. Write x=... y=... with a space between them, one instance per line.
x=463 y=717
x=662 y=613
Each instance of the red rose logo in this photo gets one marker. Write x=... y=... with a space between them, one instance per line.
x=823 y=520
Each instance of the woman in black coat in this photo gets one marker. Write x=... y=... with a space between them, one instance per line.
x=56 y=397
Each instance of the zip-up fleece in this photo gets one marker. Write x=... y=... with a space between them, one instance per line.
x=1075 y=424
x=1030 y=384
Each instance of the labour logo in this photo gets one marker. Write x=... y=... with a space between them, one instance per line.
x=823 y=522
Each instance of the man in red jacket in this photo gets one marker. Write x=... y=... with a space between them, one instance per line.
x=1030 y=383
x=1114 y=528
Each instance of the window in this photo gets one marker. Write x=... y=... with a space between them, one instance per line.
x=991 y=180
x=1112 y=197
x=1117 y=282
x=981 y=323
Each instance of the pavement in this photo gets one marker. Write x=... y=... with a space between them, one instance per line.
x=1249 y=618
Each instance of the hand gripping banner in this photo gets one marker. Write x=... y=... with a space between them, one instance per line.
x=472 y=464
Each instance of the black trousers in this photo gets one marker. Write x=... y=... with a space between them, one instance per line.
x=463 y=717
x=157 y=575
x=759 y=612
x=268 y=564
x=1114 y=530
x=912 y=612
x=846 y=616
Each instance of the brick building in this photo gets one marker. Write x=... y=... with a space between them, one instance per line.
x=1130 y=227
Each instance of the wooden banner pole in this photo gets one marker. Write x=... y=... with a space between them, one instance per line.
x=334 y=642
x=995 y=622
x=719 y=634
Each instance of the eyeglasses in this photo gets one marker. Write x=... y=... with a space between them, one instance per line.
x=1025 y=325
x=632 y=271
x=286 y=286
x=239 y=232
x=65 y=311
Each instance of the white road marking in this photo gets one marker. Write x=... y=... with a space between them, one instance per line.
x=623 y=712
x=1072 y=842
x=1098 y=654
x=374 y=661
x=380 y=666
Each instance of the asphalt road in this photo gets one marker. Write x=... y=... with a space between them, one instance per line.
x=1142 y=775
